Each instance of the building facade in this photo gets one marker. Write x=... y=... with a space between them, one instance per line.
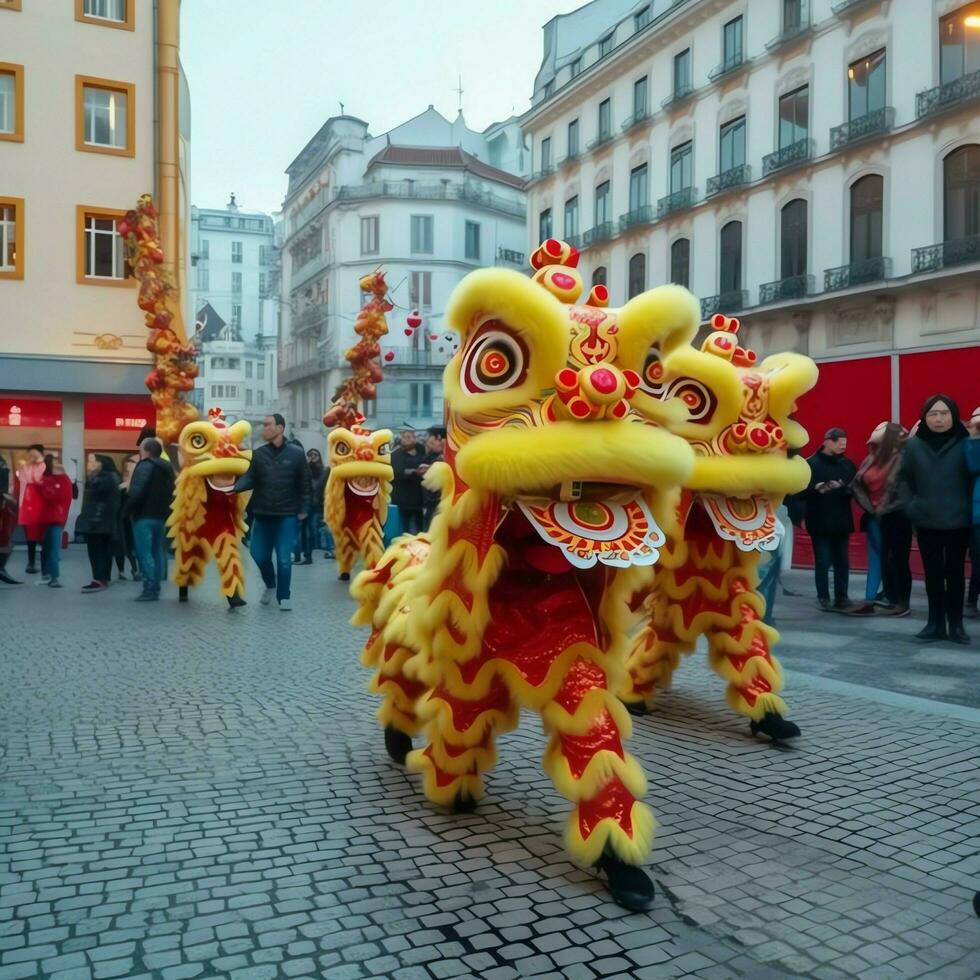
x=811 y=165
x=428 y=202
x=94 y=111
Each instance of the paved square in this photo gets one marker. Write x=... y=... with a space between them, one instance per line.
x=187 y=792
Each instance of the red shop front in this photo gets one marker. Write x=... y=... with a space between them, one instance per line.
x=112 y=425
x=26 y=421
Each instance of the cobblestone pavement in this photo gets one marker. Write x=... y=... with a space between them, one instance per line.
x=187 y=792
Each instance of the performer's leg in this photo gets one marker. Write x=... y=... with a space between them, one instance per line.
x=263 y=540
x=655 y=655
x=400 y=696
x=230 y=571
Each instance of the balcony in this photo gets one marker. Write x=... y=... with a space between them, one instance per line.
x=415 y=357
x=735 y=177
x=733 y=301
x=303 y=369
x=678 y=201
x=730 y=66
x=601 y=140
x=792 y=287
x=311 y=268
x=412 y=190
x=787 y=156
x=844 y=8
x=574 y=240
x=948 y=96
x=644 y=215
x=677 y=97
x=508 y=255
x=573 y=157
x=600 y=233
x=957 y=251
x=546 y=171
x=310 y=320
x=793 y=28
x=857 y=274
x=637 y=119
x=862 y=128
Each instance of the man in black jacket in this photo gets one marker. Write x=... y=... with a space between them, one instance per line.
x=151 y=489
x=406 y=491
x=282 y=494
x=435 y=441
x=828 y=517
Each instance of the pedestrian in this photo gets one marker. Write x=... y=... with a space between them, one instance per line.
x=406 y=493
x=147 y=507
x=29 y=502
x=282 y=494
x=936 y=494
x=8 y=523
x=973 y=465
x=319 y=474
x=56 y=491
x=307 y=537
x=435 y=442
x=99 y=517
x=828 y=517
x=124 y=543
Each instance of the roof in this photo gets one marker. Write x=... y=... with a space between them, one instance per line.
x=444 y=156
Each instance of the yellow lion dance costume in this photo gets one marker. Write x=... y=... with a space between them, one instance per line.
x=561 y=468
x=206 y=518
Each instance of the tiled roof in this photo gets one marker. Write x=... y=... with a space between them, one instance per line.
x=444 y=156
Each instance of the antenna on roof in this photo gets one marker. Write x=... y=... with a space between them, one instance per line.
x=341 y=108
x=459 y=90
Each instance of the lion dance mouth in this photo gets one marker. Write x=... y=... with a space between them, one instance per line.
x=364 y=486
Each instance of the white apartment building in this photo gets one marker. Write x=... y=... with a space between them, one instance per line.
x=94 y=112
x=428 y=201
x=811 y=165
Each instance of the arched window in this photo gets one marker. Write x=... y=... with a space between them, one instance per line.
x=637 y=275
x=961 y=193
x=680 y=262
x=731 y=257
x=599 y=276
x=792 y=240
x=867 y=195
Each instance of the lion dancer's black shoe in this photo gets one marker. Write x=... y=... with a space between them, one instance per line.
x=776 y=727
x=637 y=709
x=629 y=885
x=398 y=744
x=236 y=601
x=182 y=594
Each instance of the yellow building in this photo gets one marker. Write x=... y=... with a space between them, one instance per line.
x=94 y=111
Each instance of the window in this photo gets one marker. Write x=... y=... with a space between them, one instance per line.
x=107 y=13
x=576 y=67
x=602 y=204
x=638 y=187
x=959 y=43
x=205 y=248
x=794 y=116
x=420 y=290
x=11 y=102
x=236 y=283
x=260 y=371
x=421 y=234
x=472 y=250
x=961 y=193
x=731 y=145
x=680 y=262
x=546 y=154
x=571 y=217
x=261 y=316
x=599 y=276
x=605 y=45
x=573 y=138
x=792 y=240
x=641 y=18
x=264 y=254
x=248 y=369
x=260 y=397
x=236 y=252
x=730 y=279
x=420 y=399
x=236 y=316
x=682 y=73
x=101 y=252
x=369 y=235
x=203 y=277
x=867 y=196
x=605 y=119
x=637 y=275
x=866 y=85
x=105 y=116
x=792 y=15
x=731 y=35
x=545 y=229
x=681 y=162
x=640 y=89
x=11 y=238
x=263 y=284
x=248 y=397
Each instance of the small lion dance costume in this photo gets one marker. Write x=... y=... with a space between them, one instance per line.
x=564 y=460
x=206 y=518
x=355 y=505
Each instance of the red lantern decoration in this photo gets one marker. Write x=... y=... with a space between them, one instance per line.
x=414 y=319
x=390 y=356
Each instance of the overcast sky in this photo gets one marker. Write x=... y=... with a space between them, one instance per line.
x=265 y=76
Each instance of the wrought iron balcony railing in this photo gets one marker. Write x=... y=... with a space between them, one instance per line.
x=727 y=179
x=857 y=274
x=787 y=156
x=957 y=251
x=304 y=369
x=601 y=140
x=678 y=96
x=793 y=27
x=871 y=124
x=567 y=161
x=637 y=119
x=792 y=287
x=598 y=234
x=677 y=201
x=546 y=171
x=729 y=66
x=943 y=97
x=844 y=7
x=638 y=216
x=574 y=240
x=509 y=255
x=733 y=301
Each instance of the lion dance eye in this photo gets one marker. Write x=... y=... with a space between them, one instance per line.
x=198 y=440
x=342 y=449
x=496 y=360
x=652 y=375
x=697 y=399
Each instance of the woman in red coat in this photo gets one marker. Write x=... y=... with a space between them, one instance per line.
x=55 y=489
x=30 y=502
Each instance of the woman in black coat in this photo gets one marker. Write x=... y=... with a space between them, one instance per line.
x=936 y=495
x=99 y=518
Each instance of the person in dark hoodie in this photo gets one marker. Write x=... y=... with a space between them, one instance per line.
x=935 y=490
x=151 y=490
x=97 y=521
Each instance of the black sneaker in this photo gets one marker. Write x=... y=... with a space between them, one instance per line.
x=825 y=605
x=844 y=605
x=31 y=569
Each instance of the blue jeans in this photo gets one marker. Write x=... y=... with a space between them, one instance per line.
x=279 y=534
x=769 y=579
x=873 y=532
x=305 y=537
x=830 y=550
x=51 y=551
x=150 y=552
